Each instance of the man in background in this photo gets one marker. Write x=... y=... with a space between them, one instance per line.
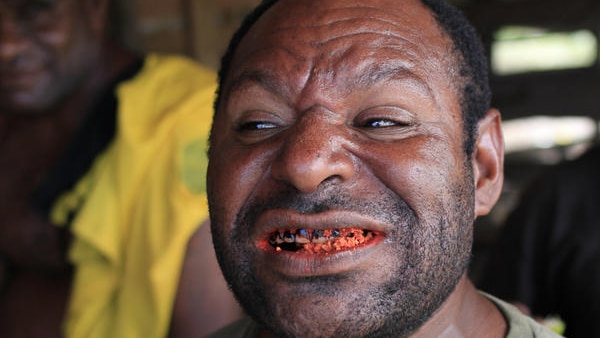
x=102 y=189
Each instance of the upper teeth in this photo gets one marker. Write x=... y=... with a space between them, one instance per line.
x=301 y=237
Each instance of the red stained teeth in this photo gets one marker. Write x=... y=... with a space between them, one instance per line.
x=319 y=241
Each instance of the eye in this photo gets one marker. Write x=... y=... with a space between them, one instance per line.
x=256 y=126
x=381 y=123
x=386 y=123
x=384 y=117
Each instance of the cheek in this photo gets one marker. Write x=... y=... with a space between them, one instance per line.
x=418 y=171
x=233 y=176
x=56 y=48
x=54 y=31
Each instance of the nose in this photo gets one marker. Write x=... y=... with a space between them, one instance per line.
x=314 y=152
x=12 y=38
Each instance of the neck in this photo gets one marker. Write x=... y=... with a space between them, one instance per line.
x=466 y=313
x=111 y=62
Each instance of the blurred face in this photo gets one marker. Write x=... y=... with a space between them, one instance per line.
x=341 y=200
x=47 y=49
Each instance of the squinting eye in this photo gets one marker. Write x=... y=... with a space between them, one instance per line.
x=380 y=123
x=250 y=132
x=256 y=125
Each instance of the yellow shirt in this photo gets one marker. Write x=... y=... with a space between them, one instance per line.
x=140 y=203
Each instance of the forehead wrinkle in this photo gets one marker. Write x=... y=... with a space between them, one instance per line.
x=260 y=77
x=263 y=74
x=335 y=34
x=365 y=75
x=353 y=20
x=329 y=65
x=347 y=28
x=384 y=33
x=378 y=73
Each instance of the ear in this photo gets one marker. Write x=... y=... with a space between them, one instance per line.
x=96 y=12
x=488 y=162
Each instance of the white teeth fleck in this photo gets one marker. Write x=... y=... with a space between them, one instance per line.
x=302 y=236
x=279 y=238
x=289 y=237
x=319 y=236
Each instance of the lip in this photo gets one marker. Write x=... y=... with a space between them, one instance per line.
x=294 y=264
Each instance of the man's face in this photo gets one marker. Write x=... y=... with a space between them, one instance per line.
x=47 y=49
x=341 y=199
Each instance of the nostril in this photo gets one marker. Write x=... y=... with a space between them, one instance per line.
x=309 y=173
x=314 y=152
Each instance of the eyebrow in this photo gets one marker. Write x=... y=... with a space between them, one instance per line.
x=261 y=77
x=380 y=72
x=371 y=75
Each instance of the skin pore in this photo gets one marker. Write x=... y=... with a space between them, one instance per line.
x=351 y=119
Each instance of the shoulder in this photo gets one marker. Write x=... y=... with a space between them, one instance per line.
x=177 y=68
x=520 y=325
x=166 y=83
x=170 y=93
x=243 y=328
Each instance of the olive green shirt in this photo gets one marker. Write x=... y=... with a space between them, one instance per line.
x=520 y=325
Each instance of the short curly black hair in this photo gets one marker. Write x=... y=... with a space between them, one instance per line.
x=470 y=55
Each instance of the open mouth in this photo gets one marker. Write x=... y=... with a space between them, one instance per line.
x=320 y=241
